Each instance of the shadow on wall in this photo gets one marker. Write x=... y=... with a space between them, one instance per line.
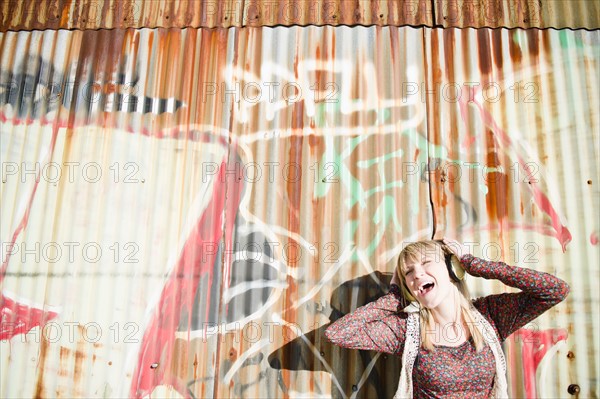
x=348 y=365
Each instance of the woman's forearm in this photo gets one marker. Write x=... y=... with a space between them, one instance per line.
x=538 y=284
x=540 y=291
x=374 y=326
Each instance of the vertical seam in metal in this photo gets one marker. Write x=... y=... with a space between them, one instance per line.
x=224 y=232
x=242 y=15
x=433 y=20
x=426 y=69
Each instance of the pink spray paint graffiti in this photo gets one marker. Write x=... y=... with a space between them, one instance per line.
x=535 y=345
x=19 y=316
x=560 y=231
x=178 y=292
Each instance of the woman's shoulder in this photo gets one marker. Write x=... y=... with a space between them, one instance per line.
x=482 y=304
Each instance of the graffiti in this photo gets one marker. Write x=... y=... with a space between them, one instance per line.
x=536 y=346
x=317 y=171
x=18 y=318
x=37 y=90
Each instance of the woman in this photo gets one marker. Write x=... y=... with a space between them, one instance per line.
x=449 y=345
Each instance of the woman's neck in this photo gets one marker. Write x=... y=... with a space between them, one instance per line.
x=447 y=311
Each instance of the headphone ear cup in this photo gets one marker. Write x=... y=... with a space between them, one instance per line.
x=450 y=266
x=457 y=268
x=457 y=273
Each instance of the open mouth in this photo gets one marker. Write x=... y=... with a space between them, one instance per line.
x=426 y=288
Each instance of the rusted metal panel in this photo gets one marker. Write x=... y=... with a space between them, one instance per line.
x=218 y=196
x=57 y=14
x=337 y=12
x=558 y=14
x=121 y=14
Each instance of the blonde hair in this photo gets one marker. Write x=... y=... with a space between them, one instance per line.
x=416 y=252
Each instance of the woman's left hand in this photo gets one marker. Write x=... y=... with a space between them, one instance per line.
x=455 y=247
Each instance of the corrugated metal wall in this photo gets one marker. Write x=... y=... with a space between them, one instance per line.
x=185 y=210
x=61 y=14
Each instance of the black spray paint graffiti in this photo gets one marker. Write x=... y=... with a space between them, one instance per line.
x=36 y=88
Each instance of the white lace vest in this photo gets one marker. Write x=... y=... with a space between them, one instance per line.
x=413 y=343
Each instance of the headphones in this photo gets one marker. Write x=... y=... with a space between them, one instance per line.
x=455 y=269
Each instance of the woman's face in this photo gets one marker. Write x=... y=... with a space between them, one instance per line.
x=428 y=279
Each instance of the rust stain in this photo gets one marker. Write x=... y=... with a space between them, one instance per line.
x=416 y=156
x=395 y=44
x=233 y=353
x=39 y=386
x=522 y=209
x=319 y=71
x=449 y=44
x=294 y=172
x=434 y=86
x=65 y=354
x=333 y=41
x=453 y=133
x=514 y=48
x=79 y=357
x=180 y=360
x=294 y=191
x=483 y=51
x=497 y=48
x=546 y=43
x=64 y=13
x=316 y=143
x=444 y=200
x=533 y=42
x=190 y=69
x=497 y=182
x=195 y=364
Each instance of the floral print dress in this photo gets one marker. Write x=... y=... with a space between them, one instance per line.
x=453 y=372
